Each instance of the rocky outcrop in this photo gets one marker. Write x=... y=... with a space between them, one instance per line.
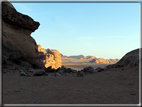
x=130 y=59
x=16 y=39
x=100 y=61
x=50 y=58
x=10 y=15
x=103 y=61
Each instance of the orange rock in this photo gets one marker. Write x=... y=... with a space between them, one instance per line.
x=51 y=57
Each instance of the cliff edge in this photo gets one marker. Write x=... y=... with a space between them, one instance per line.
x=16 y=39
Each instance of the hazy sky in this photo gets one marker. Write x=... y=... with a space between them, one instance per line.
x=104 y=30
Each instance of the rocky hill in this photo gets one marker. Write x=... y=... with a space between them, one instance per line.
x=130 y=59
x=91 y=57
x=50 y=57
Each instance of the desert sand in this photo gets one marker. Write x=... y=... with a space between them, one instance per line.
x=113 y=86
x=79 y=64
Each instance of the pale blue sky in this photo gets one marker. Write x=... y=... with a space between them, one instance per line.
x=104 y=30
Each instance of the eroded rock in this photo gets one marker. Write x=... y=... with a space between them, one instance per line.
x=50 y=58
x=16 y=39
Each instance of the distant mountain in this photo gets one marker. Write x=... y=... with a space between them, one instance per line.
x=62 y=56
x=90 y=57
x=77 y=57
x=114 y=59
x=100 y=61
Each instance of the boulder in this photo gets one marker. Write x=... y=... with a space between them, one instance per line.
x=62 y=71
x=80 y=74
x=38 y=72
x=22 y=73
x=107 y=67
x=57 y=74
x=88 y=69
x=73 y=71
x=99 y=69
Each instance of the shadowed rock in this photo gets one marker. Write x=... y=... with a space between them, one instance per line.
x=16 y=39
x=11 y=16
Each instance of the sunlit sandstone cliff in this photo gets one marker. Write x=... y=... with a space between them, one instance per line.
x=50 y=58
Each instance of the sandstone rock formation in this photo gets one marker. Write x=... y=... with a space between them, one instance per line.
x=16 y=39
x=50 y=58
x=130 y=59
x=100 y=61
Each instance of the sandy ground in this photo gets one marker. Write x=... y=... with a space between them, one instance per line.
x=79 y=64
x=114 y=86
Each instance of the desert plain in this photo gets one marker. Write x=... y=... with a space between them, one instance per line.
x=112 y=86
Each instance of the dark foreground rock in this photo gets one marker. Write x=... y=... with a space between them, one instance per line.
x=16 y=39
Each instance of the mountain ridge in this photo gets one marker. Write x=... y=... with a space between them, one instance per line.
x=92 y=59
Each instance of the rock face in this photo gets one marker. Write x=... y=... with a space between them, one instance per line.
x=10 y=15
x=130 y=59
x=50 y=58
x=16 y=39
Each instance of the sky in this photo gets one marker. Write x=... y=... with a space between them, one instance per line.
x=103 y=30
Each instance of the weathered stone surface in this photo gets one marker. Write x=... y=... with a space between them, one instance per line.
x=16 y=39
x=10 y=15
x=130 y=59
x=40 y=49
x=50 y=58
